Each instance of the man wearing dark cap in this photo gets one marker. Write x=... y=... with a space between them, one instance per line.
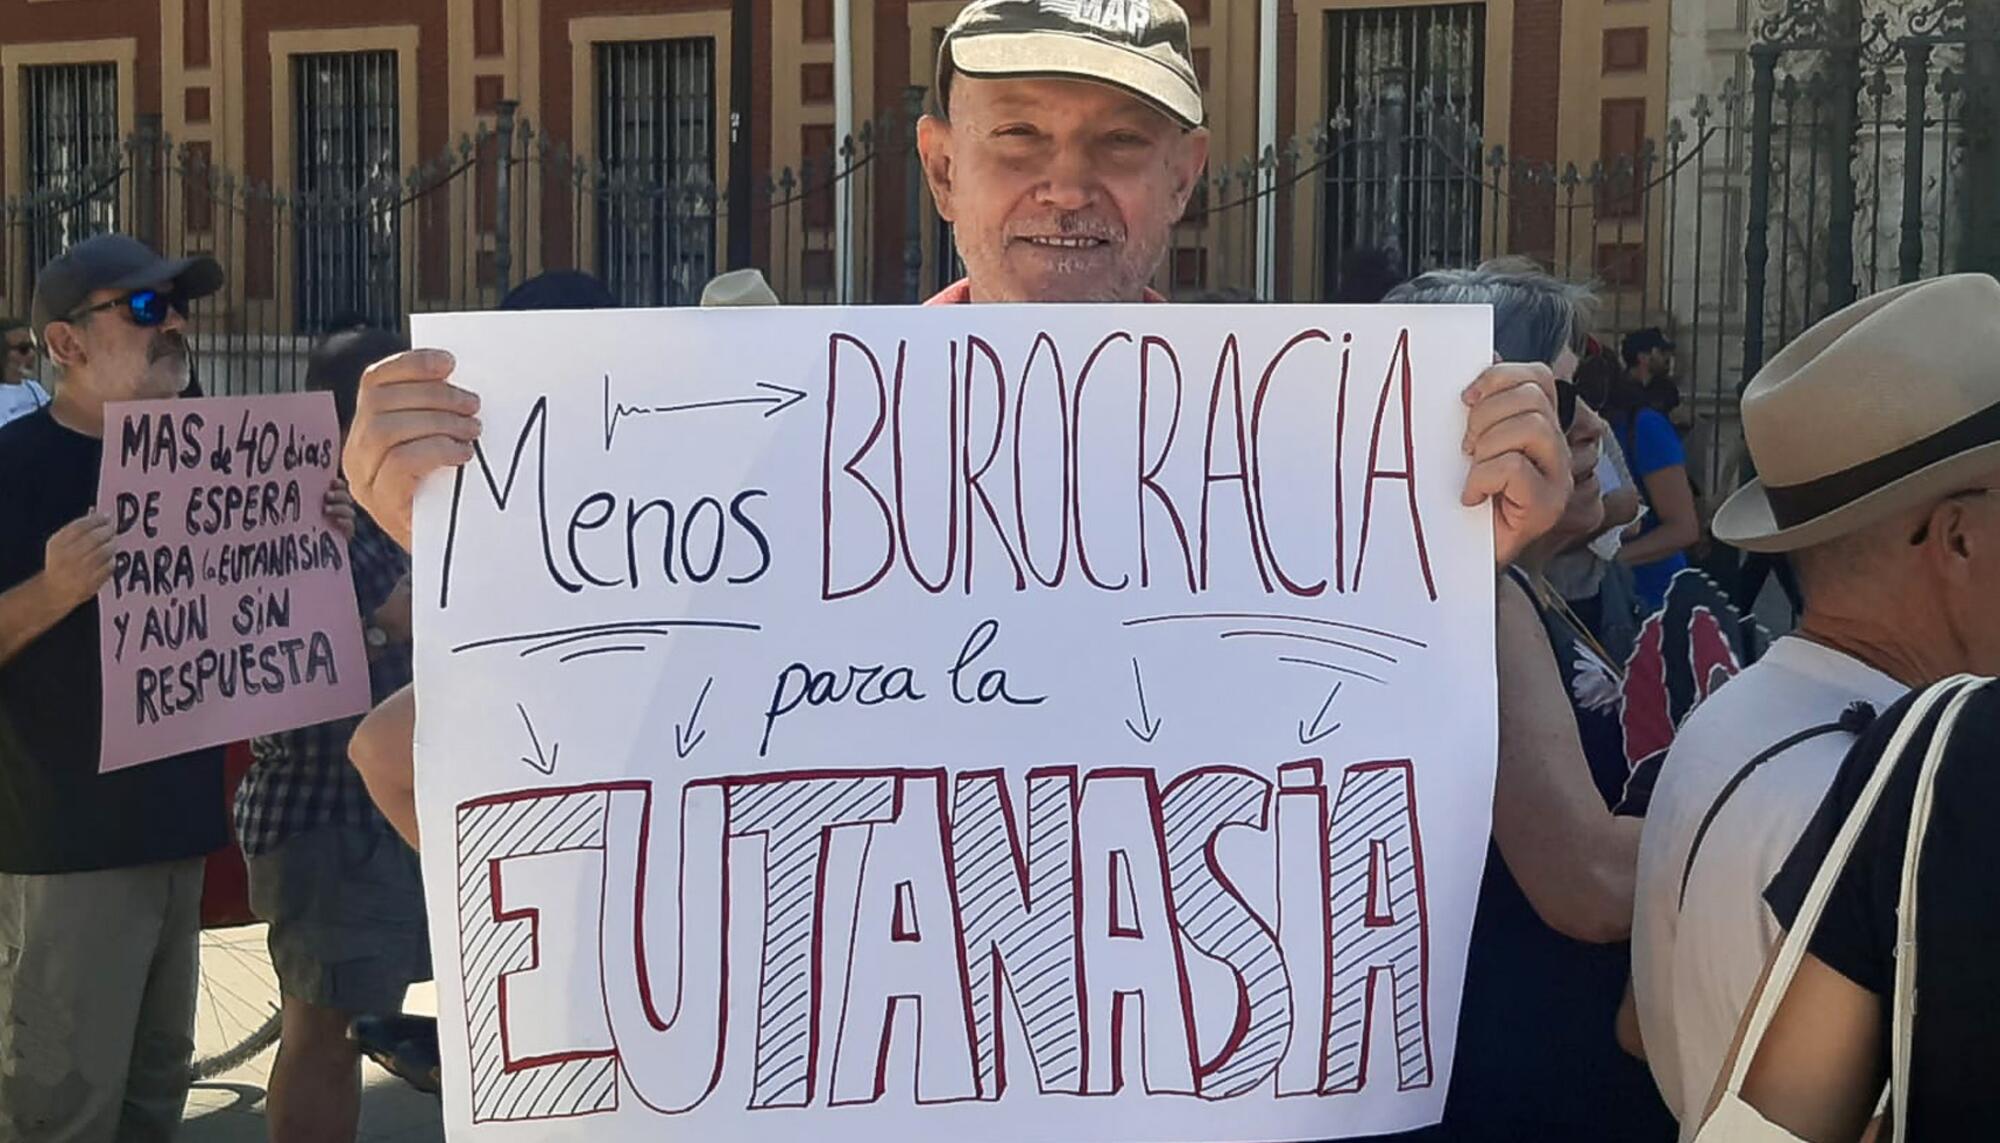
x=100 y=874
x=1648 y=354
x=1649 y=364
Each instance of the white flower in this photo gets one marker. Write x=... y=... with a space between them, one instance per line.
x=1594 y=686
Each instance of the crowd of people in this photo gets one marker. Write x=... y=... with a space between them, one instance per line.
x=1727 y=923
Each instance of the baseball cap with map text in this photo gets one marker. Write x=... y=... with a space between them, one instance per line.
x=1140 y=46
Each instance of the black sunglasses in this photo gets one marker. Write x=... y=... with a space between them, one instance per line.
x=25 y=349
x=146 y=308
x=1565 y=403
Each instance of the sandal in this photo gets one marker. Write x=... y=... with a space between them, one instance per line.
x=404 y=1046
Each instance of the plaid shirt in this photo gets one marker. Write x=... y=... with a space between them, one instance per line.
x=302 y=778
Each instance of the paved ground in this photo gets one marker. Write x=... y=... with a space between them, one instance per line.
x=230 y=1108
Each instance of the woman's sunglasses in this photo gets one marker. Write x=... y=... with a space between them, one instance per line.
x=146 y=308
x=1565 y=403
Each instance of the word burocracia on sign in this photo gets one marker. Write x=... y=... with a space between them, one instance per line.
x=986 y=502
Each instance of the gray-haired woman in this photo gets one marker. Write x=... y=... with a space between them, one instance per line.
x=1537 y=1054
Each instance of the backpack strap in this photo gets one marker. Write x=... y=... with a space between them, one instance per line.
x=1903 y=1008
x=1855 y=720
x=1950 y=694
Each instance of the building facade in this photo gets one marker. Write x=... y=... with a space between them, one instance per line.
x=383 y=157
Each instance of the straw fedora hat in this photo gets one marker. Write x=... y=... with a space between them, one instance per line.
x=739 y=288
x=1892 y=402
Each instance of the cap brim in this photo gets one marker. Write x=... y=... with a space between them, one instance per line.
x=997 y=55
x=1747 y=521
x=192 y=278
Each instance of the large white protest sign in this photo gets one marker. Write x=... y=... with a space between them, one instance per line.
x=972 y=723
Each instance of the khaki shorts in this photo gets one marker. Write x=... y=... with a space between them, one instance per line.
x=346 y=910
x=97 y=998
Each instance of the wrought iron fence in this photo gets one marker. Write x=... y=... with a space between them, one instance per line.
x=1395 y=182
x=657 y=241
x=1864 y=135
x=1432 y=193
x=456 y=231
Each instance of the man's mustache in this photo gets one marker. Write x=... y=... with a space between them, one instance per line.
x=1069 y=226
x=168 y=344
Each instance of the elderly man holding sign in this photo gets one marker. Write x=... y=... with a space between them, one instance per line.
x=1064 y=147
x=100 y=873
x=101 y=859
x=1062 y=174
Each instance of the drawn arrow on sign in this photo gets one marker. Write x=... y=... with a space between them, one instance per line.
x=776 y=399
x=1308 y=737
x=686 y=739
x=1146 y=720
x=543 y=763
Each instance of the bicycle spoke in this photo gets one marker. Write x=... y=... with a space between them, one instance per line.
x=238 y=997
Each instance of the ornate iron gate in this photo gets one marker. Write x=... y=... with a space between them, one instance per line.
x=1405 y=172
x=1872 y=155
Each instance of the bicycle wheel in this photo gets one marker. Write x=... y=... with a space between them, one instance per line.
x=237 y=1003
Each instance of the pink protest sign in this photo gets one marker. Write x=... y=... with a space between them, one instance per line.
x=230 y=611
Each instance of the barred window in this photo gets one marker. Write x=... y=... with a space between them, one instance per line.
x=656 y=196
x=346 y=154
x=1408 y=86
x=73 y=158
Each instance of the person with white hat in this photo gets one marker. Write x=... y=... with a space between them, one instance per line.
x=745 y=287
x=1876 y=436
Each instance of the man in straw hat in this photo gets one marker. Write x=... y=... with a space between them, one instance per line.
x=1876 y=435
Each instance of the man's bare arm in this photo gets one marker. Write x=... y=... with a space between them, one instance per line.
x=384 y=751
x=1575 y=860
x=1819 y=1071
x=1626 y=1025
x=76 y=562
x=27 y=611
x=1680 y=525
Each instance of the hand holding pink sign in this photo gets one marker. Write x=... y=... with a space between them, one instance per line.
x=230 y=610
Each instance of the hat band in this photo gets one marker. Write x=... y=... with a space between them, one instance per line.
x=1795 y=504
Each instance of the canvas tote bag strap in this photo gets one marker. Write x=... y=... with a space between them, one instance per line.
x=1735 y=1121
x=1903 y=1011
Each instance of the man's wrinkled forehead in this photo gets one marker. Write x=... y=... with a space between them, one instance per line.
x=1029 y=96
